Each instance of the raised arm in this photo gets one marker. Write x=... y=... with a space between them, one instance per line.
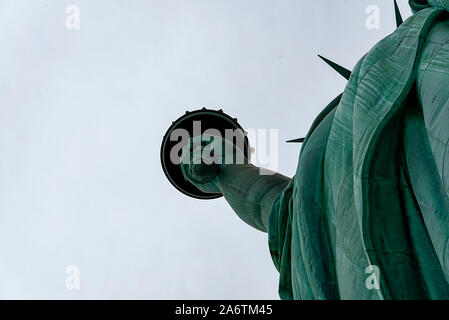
x=249 y=193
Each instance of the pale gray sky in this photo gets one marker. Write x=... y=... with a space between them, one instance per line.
x=83 y=112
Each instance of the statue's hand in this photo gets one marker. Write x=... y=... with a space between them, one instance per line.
x=203 y=159
x=198 y=168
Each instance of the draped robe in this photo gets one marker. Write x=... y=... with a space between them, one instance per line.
x=371 y=191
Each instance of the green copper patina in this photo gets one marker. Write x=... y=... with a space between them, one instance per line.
x=372 y=183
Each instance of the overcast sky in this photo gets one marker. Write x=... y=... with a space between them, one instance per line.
x=83 y=112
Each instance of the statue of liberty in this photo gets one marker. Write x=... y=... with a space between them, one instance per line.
x=371 y=190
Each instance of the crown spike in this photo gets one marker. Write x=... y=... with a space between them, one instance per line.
x=345 y=73
x=299 y=140
x=397 y=12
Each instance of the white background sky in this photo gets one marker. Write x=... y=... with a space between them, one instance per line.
x=83 y=112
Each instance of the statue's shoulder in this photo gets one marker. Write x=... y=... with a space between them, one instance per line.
x=434 y=55
x=439 y=32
